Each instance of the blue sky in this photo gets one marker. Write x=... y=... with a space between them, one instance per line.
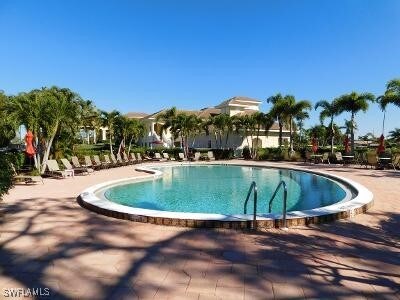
x=148 y=55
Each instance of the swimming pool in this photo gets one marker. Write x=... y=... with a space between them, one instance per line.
x=223 y=189
x=213 y=195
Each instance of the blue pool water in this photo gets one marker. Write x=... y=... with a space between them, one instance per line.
x=223 y=189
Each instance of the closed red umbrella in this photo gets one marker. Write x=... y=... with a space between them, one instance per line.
x=381 y=147
x=30 y=150
x=346 y=144
x=314 y=145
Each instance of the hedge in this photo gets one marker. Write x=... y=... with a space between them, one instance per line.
x=6 y=174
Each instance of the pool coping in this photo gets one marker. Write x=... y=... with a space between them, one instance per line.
x=341 y=210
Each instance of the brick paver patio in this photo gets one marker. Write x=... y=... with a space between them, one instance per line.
x=47 y=240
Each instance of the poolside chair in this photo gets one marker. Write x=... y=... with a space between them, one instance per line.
x=108 y=162
x=75 y=162
x=89 y=163
x=157 y=157
x=132 y=158
x=196 y=157
x=325 y=158
x=81 y=170
x=27 y=179
x=361 y=158
x=54 y=169
x=139 y=157
x=395 y=162
x=114 y=160
x=307 y=157
x=339 y=158
x=182 y=156
x=121 y=161
x=166 y=156
x=98 y=163
x=210 y=155
x=126 y=159
x=372 y=160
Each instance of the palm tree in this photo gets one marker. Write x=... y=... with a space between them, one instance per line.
x=109 y=119
x=392 y=93
x=167 y=118
x=261 y=120
x=354 y=103
x=329 y=110
x=47 y=112
x=8 y=124
x=278 y=111
x=294 y=110
x=394 y=135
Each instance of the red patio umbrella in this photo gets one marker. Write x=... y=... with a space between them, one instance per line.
x=381 y=147
x=314 y=145
x=346 y=144
x=30 y=150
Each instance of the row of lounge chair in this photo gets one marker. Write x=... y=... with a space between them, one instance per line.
x=90 y=164
x=367 y=159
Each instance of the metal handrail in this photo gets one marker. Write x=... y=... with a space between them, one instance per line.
x=253 y=186
x=282 y=183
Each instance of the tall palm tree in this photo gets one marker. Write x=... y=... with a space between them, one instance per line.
x=278 y=111
x=261 y=121
x=295 y=109
x=394 y=135
x=46 y=112
x=168 y=117
x=392 y=93
x=109 y=119
x=354 y=103
x=329 y=110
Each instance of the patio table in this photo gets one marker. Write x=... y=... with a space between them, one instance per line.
x=347 y=159
x=383 y=162
x=317 y=157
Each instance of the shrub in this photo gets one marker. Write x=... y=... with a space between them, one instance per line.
x=6 y=174
x=246 y=153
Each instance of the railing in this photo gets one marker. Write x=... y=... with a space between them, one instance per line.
x=282 y=183
x=253 y=187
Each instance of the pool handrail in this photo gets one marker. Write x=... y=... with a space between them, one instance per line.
x=253 y=187
x=282 y=183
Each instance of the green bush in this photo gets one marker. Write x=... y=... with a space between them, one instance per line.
x=6 y=174
x=246 y=153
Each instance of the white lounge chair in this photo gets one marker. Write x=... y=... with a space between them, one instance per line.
x=210 y=155
x=54 y=169
x=157 y=157
x=98 y=163
x=82 y=170
x=196 y=156
x=166 y=156
x=181 y=156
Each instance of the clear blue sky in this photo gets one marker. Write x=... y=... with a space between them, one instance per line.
x=148 y=55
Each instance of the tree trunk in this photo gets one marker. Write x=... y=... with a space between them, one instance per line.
x=333 y=136
x=130 y=144
x=110 y=139
x=291 y=135
x=94 y=136
x=257 y=137
x=226 y=140
x=280 y=134
x=352 y=132
x=47 y=152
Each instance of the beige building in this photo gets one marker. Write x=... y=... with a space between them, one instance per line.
x=156 y=137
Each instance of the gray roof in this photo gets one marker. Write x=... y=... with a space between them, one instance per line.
x=238 y=100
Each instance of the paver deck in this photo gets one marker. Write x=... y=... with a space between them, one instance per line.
x=48 y=241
